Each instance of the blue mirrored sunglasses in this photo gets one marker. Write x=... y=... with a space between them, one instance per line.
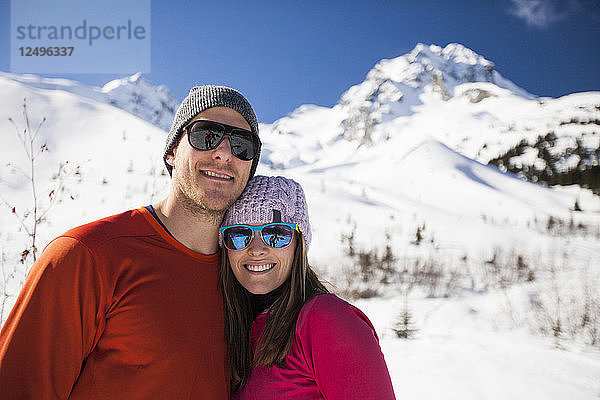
x=276 y=235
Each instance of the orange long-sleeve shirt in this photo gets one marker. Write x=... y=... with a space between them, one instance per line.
x=116 y=309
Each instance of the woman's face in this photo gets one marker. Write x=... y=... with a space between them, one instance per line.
x=261 y=268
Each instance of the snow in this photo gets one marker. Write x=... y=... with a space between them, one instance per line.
x=133 y=94
x=402 y=152
x=458 y=354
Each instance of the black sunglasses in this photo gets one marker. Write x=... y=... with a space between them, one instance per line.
x=208 y=135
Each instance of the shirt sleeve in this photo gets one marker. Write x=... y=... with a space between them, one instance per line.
x=341 y=347
x=54 y=324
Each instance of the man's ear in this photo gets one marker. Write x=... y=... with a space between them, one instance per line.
x=171 y=157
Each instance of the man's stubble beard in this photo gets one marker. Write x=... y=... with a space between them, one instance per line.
x=197 y=201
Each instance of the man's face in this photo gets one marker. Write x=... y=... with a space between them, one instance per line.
x=210 y=181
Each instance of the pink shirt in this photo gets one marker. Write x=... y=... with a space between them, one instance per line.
x=335 y=355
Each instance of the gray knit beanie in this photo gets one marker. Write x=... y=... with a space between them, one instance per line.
x=202 y=98
x=270 y=199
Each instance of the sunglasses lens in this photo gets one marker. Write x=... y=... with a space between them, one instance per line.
x=277 y=235
x=237 y=237
x=244 y=145
x=205 y=136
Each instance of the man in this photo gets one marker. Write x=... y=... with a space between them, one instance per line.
x=128 y=307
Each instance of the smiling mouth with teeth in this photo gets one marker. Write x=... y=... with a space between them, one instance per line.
x=259 y=268
x=215 y=175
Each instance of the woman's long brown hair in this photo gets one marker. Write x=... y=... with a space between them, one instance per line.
x=276 y=339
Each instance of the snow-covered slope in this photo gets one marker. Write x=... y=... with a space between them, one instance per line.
x=411 y=179
x=400 y=161
x=114 y=159
x=154 y=104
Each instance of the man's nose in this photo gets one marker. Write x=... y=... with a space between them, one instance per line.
x=223 y=150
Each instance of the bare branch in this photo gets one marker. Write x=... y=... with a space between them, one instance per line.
x=21 y=137
x=19 y=217
x=31 y=219
x=37 y=131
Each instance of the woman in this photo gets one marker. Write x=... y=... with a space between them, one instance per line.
x=288 y=338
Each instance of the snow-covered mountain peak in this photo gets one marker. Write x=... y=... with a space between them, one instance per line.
x=428 y=74
x=135 y=79
x=155 y=104
x=455 y=97
x=461 y=54
x=450 y=66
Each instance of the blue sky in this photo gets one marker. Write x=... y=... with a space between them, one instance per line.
x=282 y=54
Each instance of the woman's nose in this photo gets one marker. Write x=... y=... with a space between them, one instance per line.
x=256 y=246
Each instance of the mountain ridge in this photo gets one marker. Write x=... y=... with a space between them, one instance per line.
x=457 y=96
x=133 y=94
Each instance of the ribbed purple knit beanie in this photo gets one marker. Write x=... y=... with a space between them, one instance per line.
x=271 y=199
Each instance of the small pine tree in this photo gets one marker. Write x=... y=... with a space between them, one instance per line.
x=551 y=224
x=388 y=260
x=419 y=235
x=348 y=240
x=404 y=326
